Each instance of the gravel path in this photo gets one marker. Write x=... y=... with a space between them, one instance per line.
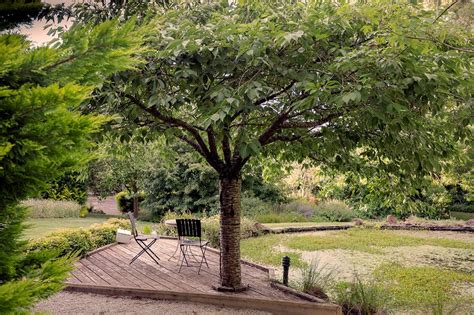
x=84 y=303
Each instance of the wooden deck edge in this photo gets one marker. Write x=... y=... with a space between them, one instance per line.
x=297 y=293
x=100 y=249
x=230 y=300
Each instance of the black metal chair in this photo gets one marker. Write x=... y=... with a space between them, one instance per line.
x=191 y=228
x=142 y=241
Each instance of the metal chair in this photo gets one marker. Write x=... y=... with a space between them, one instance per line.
x=142 y=241
x=191 y=228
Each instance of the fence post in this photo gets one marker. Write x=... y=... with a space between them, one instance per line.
x=286 y=267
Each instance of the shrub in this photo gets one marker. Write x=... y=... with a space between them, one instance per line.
x=253 y=206
x=210 y=227
x=67 y=187
x=125 y=200
x=364 y=298
x=79 y=241
x=84 y=212
x=48 y=208
x=334 y=211
x=316 y=279
x=300 y=207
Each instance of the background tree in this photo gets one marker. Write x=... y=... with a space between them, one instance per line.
x=123 y=164
x=42 y=135
x=16 y=12
x=375 y=88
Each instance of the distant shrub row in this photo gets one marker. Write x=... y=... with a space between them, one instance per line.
x=210 y=227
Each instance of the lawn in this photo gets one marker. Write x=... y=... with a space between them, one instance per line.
x=42 y=227
x=302 y=224
x=418 y=269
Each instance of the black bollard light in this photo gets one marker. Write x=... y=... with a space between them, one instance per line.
x=286 y=267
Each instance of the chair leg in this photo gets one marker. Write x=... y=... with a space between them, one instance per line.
x=203 y=259
x=146 y=249
x=183 y=252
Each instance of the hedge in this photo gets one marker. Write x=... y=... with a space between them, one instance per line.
x=79 y=241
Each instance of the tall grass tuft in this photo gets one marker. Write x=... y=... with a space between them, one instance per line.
x=48 y=208
x=363 y=298
x=316 y=279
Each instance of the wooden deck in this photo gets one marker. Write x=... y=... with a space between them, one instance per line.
x=108 y=271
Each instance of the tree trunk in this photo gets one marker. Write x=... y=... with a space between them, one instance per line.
x=229 y=189
x=135 y=206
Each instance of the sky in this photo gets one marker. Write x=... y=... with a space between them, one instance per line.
x=36 y=32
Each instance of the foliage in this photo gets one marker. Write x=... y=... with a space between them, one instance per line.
x=364 y=298
x=185 y=183
x=84 y=212
x=67 y=187
x=13 y=13
x=334 y=211
x=367 y=240
x=253 y=207
x=79 y=241
x=125 y=200
x=20 y=294
x=47 y=208
x=380 y=88
x=316 y=278
x=210 y=227
x=42 y=135
x=414 y=287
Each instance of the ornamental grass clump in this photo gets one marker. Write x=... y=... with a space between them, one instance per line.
x=49 y=208
x=362 y=298
x=316 y=279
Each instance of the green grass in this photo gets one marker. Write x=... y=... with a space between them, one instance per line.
x=260 y=249
x=42 y=227
x=280 y=218
x=462 y=215
x=421 y=286
x=367 y=240
x=302 y=224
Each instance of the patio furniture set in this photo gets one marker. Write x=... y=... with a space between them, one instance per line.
x=189 y=237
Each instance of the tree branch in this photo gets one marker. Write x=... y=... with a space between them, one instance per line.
x=203 y=150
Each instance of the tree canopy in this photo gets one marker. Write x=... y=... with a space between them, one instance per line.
x=376 y=88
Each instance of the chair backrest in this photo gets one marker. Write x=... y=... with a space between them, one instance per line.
x=133 y=223
x=189 y=227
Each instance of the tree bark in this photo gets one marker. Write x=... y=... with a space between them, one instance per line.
x=135 y=206
x=229 y=189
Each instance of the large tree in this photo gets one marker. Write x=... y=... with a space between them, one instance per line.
x=376 y=88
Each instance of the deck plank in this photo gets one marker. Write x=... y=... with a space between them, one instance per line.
x=111 y=267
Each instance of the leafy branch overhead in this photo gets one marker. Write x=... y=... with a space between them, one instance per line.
x=348 y=85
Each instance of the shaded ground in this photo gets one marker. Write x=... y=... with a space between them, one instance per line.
x=83 y=303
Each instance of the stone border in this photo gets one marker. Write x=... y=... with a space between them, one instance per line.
x=228 y=300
